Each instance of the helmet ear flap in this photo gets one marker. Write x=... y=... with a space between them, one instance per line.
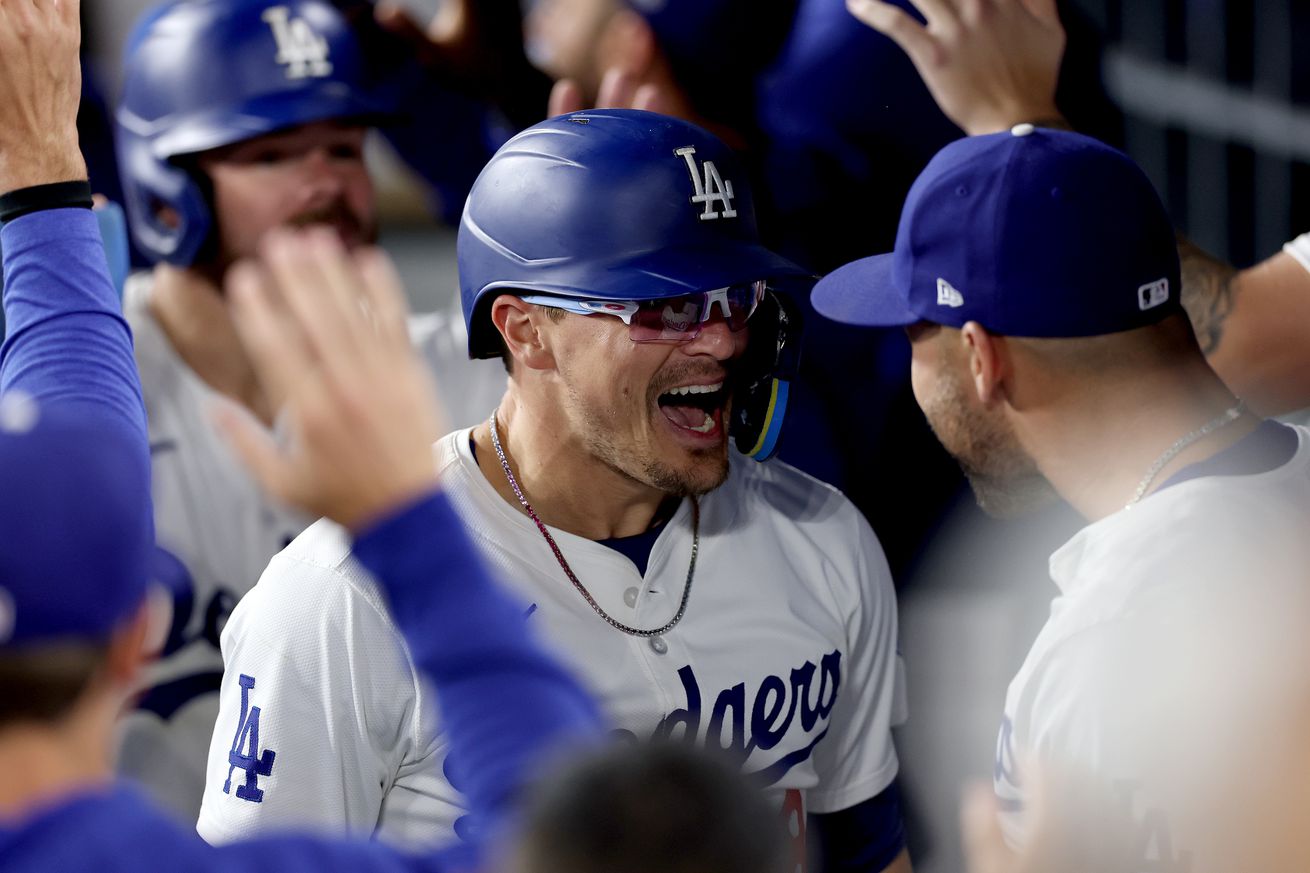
x=150 y=185
x=764 y=375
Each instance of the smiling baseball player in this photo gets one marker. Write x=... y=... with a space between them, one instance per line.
x=611 y=258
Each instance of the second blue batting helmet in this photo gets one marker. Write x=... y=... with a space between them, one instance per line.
x=201 y=74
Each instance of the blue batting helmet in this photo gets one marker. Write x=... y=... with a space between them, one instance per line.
x=620 y=204
x=612 y=204
x=200 y=74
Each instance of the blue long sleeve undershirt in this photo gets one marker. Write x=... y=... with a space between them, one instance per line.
x=66 y=339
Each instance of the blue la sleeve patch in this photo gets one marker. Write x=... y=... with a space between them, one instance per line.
x=253 y=762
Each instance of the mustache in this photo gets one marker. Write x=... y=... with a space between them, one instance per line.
x=691 y=372
x=337 y=214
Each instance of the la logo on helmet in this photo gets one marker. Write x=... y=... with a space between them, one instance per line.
x=304 y=52
x=709 y=190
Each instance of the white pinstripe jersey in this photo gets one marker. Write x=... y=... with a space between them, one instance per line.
x=786 y=656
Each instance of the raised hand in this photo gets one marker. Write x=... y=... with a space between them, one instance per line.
x=618 y=90
x=990 y=64
x=327 y=333
x=40 y=88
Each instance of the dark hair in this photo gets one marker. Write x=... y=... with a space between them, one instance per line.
x=41 y=682
x=657 y=808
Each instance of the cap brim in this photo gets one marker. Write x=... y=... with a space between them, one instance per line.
x=862 y=293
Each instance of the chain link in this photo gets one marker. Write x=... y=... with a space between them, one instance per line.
x=1227 y=417
x=568 y=571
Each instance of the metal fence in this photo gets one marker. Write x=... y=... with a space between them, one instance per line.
x=1217 y=105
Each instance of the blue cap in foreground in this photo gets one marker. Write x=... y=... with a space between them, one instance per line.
x=75 y=546
x=1030 y=233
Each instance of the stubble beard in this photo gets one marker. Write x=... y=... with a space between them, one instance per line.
x=1004 y=478
x=707 y=471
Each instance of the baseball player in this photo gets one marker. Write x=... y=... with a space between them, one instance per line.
x=611 y=258
x=235 y=118
x=1051 y=354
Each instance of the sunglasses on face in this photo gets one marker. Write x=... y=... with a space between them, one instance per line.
x=669 y=319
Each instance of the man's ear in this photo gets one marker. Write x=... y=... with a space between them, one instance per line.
x=130 y=647
x=988 y=359
x=519 y=326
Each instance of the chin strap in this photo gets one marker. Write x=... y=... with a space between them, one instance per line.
x=771 y=429
x=760 y=399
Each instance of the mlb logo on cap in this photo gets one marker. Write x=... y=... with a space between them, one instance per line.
x=1053 y=234
x=1153 y=294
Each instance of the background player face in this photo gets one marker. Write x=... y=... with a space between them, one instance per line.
x=312 y=174
x=562 y=37
x=616 y=397
x=1004 y=478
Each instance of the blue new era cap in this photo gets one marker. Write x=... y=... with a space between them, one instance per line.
x=76 y=536
x=1030 y=233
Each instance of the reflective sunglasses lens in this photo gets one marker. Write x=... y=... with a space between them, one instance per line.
x=674 y=319
x=679 y=319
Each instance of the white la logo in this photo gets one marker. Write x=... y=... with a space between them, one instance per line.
x=304 y=52
x=711 y=189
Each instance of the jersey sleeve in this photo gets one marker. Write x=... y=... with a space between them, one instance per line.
x=318 y=708
x=66 y=340
x=857 y=759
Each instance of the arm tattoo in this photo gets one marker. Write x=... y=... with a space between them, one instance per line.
x=1208 y=292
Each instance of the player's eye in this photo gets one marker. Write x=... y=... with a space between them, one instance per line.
x=346 y=152
x=268 y=158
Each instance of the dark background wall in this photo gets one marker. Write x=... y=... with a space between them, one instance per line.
x=1217 y=106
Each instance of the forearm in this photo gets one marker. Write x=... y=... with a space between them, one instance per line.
x=504 y=702
x=67 y=340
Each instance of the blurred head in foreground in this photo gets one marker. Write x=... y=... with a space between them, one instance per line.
x=657 y=808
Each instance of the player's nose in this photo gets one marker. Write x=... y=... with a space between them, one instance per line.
x=717 y=340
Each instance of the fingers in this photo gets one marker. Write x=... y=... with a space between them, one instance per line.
x=1044 y=11
x=652 y=98
x=985 y=849
x=617 y=89
x=897 y=24
x=254 y=445
x=383 y=292
x=565 y=97
x=306 y=269
x=275 y=346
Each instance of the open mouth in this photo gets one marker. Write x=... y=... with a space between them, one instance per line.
x=695 y=408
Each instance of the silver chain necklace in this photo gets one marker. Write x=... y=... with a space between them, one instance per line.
x=568 y=571
x=1227 y=417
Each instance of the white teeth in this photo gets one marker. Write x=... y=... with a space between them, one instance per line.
x=706 y=427
x=696 y=389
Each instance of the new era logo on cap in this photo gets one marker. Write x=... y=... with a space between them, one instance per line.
x=947 y=295
x=1153 y=294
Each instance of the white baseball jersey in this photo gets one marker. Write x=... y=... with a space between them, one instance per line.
x=1146 y=671
x=786 y=657
x=220 y=530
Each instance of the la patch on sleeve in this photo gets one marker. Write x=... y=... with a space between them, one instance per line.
x=254 y=762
